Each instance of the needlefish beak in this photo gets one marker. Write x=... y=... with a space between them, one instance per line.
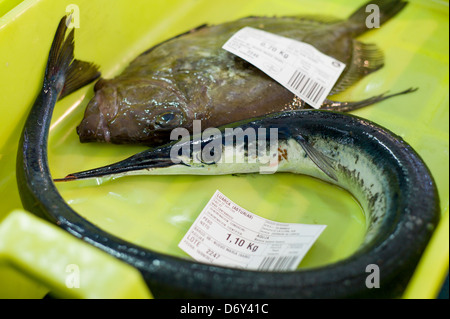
x=146 y=160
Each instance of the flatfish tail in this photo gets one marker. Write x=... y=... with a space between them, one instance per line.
x=366 y=57
x=385 y=9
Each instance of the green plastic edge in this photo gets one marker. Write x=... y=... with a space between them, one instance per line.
x=67 y=266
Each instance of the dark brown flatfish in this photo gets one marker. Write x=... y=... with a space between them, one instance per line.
x=191 y=77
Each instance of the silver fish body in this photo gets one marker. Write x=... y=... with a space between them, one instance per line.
x=384 y=174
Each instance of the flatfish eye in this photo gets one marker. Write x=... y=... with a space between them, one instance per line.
x=169 y=119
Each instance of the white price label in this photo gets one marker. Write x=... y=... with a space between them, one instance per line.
x=298 y=66
x=228 y=235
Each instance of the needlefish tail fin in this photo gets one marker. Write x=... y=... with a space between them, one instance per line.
x=80 y=73
x=62 y=76
x=64 y=72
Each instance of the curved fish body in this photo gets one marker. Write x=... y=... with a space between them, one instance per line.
x=63 y=75
x=392 y=184
x=390 y=180
x=192 y=78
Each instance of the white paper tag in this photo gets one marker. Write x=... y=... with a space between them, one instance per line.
x=228 y=235
x=296 y=65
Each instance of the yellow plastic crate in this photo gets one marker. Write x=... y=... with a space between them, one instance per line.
x=155 y=212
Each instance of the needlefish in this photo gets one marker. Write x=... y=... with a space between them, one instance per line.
x=191 y=77
x=389 y=179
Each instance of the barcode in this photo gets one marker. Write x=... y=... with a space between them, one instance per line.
x=306 y=87
x=278 y=263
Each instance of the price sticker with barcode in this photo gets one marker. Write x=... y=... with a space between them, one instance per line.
x=298 y=66
x=226 y=234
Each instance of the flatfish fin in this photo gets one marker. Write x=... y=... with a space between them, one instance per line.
x=367 y=58
x=354 y=105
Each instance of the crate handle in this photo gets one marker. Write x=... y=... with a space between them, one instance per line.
x=67 y=266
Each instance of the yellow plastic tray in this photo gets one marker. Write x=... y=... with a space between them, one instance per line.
x=155 y=212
